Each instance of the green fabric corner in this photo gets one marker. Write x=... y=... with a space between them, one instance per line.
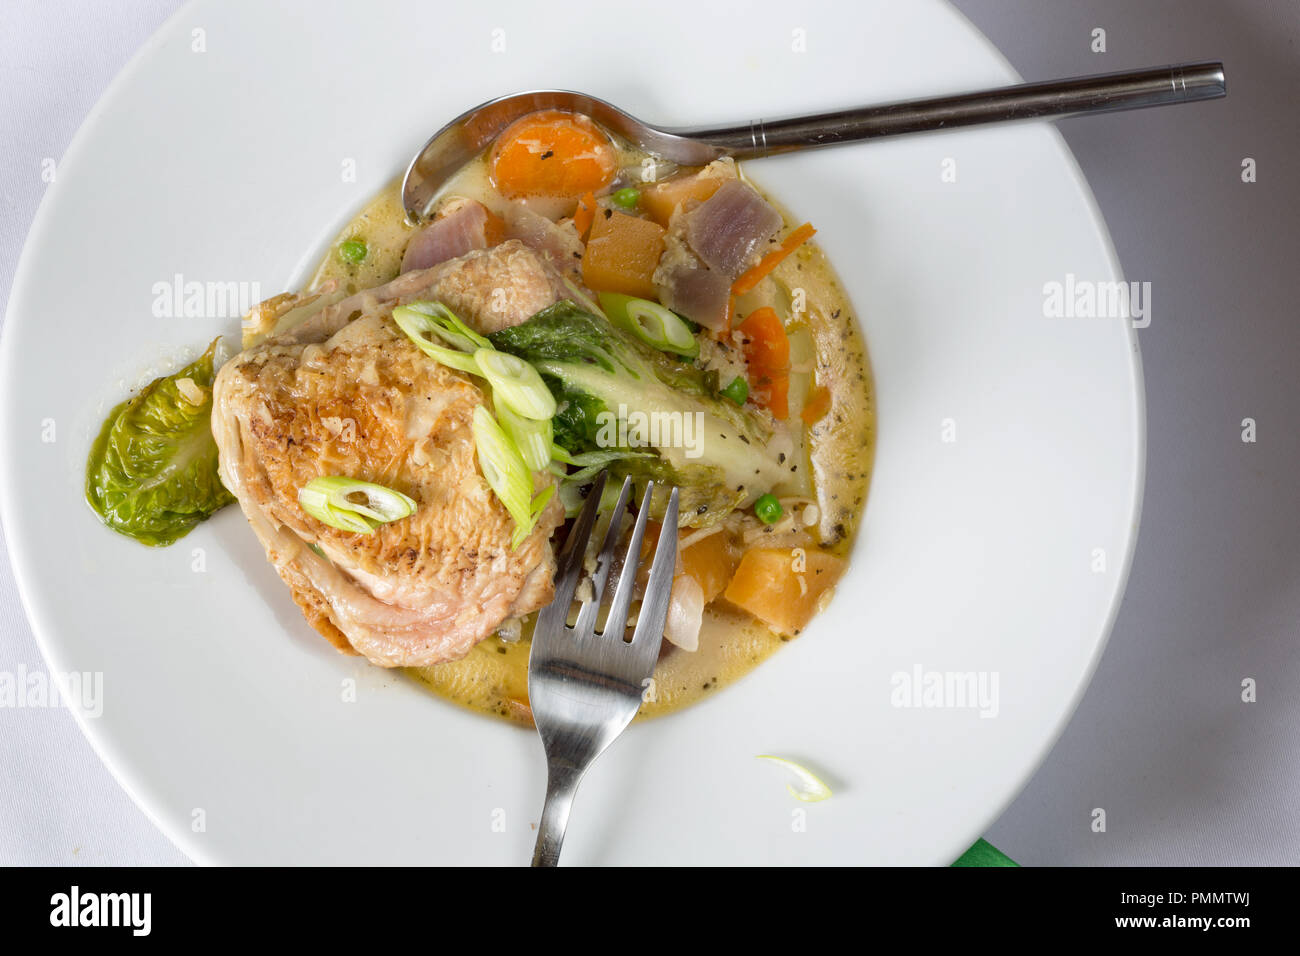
x=984 y=853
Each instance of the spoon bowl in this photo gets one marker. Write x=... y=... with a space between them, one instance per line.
x=474 y=130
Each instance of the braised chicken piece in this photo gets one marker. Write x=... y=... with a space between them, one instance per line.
x=347 y=393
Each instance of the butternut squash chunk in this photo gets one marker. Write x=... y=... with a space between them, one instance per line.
x=710 y=563
x=662 y=199
x=783 y=588
x=622 y=254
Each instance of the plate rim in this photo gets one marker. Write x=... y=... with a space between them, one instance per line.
x=102 y=743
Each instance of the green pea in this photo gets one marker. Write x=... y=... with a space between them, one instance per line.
x=768 y=509
x=353 y=250
x=737 y=390
x=627 y=197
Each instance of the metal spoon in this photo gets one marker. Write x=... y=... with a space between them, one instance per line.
x=470 y=133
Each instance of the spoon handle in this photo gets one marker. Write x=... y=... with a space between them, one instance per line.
x=1107 y=93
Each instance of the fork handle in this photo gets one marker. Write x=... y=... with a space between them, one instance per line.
x=561 y=784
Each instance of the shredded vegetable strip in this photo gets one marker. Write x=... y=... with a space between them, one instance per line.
x=585 y=214
x=754 y=276
x=695 y=537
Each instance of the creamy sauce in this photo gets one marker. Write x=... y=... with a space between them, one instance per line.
x=493 y=677
x=827 y=349
x=382 y=225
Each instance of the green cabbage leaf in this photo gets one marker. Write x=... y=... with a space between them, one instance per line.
x=152 y=472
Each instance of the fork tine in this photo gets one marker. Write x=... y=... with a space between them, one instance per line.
x=654 y=606
x=586 y=622
x=617 y=620
x=556 y=614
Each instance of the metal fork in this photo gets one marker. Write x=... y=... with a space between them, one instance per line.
x=584 y=688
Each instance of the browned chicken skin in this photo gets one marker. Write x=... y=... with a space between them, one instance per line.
x=346 y=393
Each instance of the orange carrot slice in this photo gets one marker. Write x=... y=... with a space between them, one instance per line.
x=585 y=214
x=552 y=153
x=767 y=352
x=818 y=404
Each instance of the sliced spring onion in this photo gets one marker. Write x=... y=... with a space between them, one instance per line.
x=505 y=471
x=451 y=327
x=811 y=789
x=516 y=383
x=419 y=325
x=531 y=436
x=352 y=505
x=540 y=501
x=650 y=322
x=737 y=390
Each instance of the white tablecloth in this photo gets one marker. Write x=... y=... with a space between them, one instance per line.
x=1186 y=771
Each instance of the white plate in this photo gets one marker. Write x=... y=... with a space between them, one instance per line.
x=222 y=707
